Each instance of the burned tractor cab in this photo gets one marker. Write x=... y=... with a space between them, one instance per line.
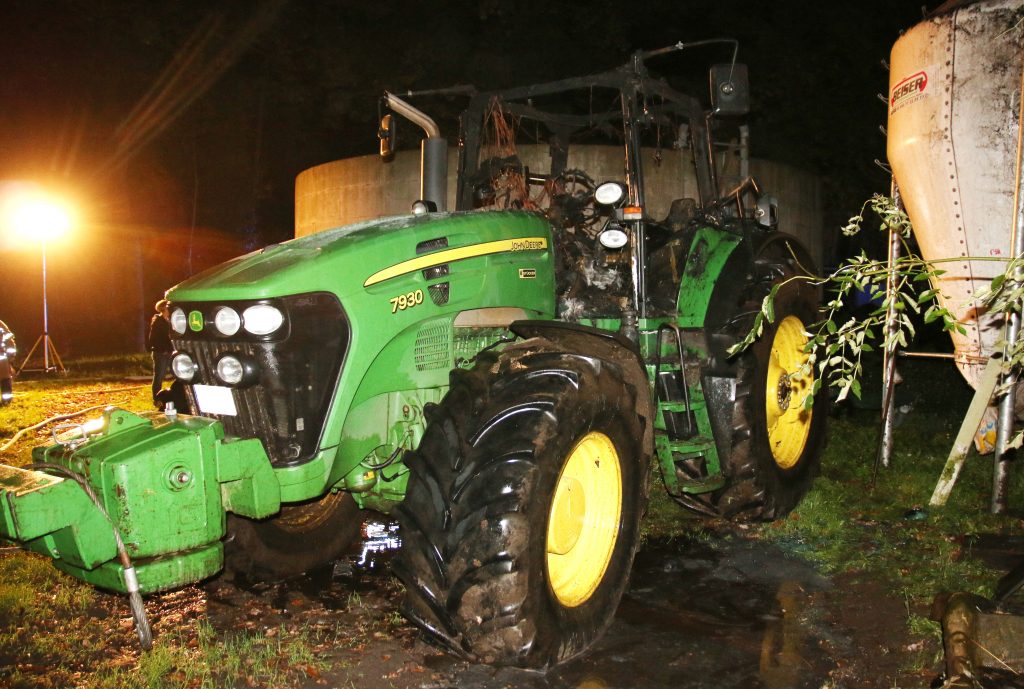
x=576 y=150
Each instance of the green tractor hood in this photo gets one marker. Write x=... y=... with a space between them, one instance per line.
x=348 y=259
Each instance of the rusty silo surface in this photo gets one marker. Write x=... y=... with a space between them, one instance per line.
x=954 y=96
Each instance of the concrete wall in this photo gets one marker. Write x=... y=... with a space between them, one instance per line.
x=355 y=189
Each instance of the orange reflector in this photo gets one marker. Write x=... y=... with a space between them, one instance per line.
x=632 y=213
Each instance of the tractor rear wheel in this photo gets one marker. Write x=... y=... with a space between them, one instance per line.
x=299 y=538
x=776 y=443
x=522 y=512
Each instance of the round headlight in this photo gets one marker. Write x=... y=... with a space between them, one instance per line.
x=178 y=321
x=230 y=370
x=226 y=321
x=613 y=238
x=609 y=193
x=262 y=319
x=183 y=367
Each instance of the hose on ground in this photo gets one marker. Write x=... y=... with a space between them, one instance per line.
x=60 y=417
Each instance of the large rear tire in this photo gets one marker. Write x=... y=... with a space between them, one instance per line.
x=299 y=538
x=776 y=444
x=522 y=513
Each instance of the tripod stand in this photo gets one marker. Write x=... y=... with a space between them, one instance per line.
x=51 y=360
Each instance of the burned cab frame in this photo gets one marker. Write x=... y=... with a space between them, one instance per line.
x=630 y=109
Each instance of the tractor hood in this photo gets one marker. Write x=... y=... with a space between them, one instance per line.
x=345 y=259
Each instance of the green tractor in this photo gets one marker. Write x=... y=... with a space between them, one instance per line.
x=499 y=377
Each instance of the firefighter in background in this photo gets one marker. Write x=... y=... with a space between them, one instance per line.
x=158 y=341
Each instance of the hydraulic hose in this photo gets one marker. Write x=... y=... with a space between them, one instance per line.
x=61 y=417
x=131 y=581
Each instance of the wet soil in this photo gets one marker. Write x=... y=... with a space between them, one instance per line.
x=724 y=612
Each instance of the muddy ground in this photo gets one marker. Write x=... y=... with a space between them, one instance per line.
x=725 y=611
x=720 y=609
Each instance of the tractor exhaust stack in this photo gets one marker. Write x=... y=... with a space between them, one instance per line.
x=433 y=153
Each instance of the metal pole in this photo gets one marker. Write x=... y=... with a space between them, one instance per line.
x=634 y=176
x=1004 y=429
x=46 y=319
x=889 y=357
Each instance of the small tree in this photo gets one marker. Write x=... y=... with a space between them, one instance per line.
x=837 y=342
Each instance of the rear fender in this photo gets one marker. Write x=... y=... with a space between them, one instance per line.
x=601 y=344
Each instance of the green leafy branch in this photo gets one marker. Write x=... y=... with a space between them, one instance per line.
x=836 y=343
x=1005 y=295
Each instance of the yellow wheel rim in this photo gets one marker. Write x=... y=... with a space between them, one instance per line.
x=583 y=522
x=787 y=387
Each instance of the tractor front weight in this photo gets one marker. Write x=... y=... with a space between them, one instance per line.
x=163 y=482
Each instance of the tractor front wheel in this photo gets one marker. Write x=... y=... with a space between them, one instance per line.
x=522 y=513
x=299 y=538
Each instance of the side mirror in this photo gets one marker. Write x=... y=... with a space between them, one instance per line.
x=386 y=134
x=730 y=91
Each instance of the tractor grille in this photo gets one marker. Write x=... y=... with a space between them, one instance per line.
x=433 y=347
x=287 y=405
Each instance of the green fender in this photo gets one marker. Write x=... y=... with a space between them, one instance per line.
x=705 y=266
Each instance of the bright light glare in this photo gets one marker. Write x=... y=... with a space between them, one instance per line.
x=40 y=218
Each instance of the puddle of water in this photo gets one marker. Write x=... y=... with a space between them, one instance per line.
x=732 y=614
x=725 y=615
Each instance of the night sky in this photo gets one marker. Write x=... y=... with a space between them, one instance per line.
x=178 y=127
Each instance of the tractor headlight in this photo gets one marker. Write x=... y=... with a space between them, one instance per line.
x=178 y=321
x=229 y=370
x=226 y=321
x=613 y=238
x=609 y=193
x=262 y=319
x=236 y=370
x=183 y=367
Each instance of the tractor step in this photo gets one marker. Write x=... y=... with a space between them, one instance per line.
x=689 y=466
x=681 y=407
x=686 y=450
x=704 y=485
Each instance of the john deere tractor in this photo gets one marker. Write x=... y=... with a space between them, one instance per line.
x=499 y=377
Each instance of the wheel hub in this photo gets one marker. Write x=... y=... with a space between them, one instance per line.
x=567 y=514
x=788 y=385
x=583 y=519
x=784 y=392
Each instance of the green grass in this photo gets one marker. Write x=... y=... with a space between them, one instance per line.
x=208 y=660
x=880 y=527
x=856 y=521
x=38 y=397
x=110 y=366
x=62 y=632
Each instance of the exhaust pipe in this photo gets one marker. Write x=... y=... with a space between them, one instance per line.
x=433 y=153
